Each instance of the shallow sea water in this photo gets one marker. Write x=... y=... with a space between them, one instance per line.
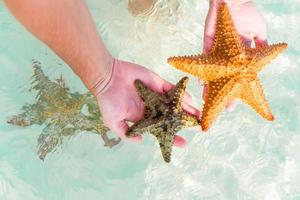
x=241 y=157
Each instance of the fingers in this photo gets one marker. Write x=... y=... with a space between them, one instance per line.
x=190 y=109
x=231 y=106
x=187 y=105
x=137 y=138
x=260 y=41
x=209 y=30
x=156 y=83
x=208 y=43
x=179 y=141
x=247 y=40
x=120 y=128
x=205 y=92
x=188 y=98
x=167 y=86
x=205 y=89
x=201 y=83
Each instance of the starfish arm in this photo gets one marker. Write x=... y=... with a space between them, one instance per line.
x=187 y=121
x=263 y=55
x=205 y=67
x=176 y=95
x=227 y=40
x=165 y=140
x=252 y=94
x=30 y=116
x=50 y=138
x=48 y=142
x=146 y=94
x=142 y=126
x=220 y=92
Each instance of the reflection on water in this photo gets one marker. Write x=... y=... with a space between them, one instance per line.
x=63 y=113
x=242 y=156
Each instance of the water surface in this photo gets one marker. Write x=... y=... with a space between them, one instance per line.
x=241 y=157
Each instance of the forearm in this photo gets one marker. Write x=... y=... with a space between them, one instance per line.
x=66 y=26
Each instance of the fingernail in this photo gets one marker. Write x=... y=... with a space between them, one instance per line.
x=137 y=139
x=230 y=107
x=167 y=87
x=179 y=142
x=201 y=82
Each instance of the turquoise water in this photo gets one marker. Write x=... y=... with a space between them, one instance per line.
x=241 y=157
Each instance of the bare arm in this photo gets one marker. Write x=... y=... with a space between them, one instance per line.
x=66 y=26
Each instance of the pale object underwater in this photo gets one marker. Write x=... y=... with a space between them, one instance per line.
x=63 y=113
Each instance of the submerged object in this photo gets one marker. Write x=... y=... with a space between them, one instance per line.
x=230 y=70
x=163 y=115
x=63 y=113
x=139 y=7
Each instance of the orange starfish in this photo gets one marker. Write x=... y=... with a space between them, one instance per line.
x=230 y=70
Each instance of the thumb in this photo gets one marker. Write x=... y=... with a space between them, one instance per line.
x=135 y=110
x=210 y=29
x=179 y=141
x=260 y=41
x=156 y=83
x=121 y=128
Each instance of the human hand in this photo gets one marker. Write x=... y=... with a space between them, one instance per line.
x=248 y=21
x=120 y=102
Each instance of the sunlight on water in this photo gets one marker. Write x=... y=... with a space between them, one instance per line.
x=241 y=157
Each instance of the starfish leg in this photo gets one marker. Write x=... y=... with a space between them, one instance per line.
x=204 y=67
x=220 y=92
x=227 y=42
x=143 y=126
x=166 y=143
x=146 y=94
x=177 y=94
x=187 y=121
x=252 y=94
x=265 y=53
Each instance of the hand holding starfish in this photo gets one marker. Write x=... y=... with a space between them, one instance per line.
x=248 y=21
x=230 y=70
x=120 y=102
x=75 y=39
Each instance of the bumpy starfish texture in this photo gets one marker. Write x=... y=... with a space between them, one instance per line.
x=230 y=70
x=63 y=113
x=163 y=115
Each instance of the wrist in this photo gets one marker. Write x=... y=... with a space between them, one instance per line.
x=103 y=79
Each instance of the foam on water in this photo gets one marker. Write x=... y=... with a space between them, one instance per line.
x=241 y=157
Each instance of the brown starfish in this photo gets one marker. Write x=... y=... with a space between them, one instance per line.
x=163 y=116
x=230 y=70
